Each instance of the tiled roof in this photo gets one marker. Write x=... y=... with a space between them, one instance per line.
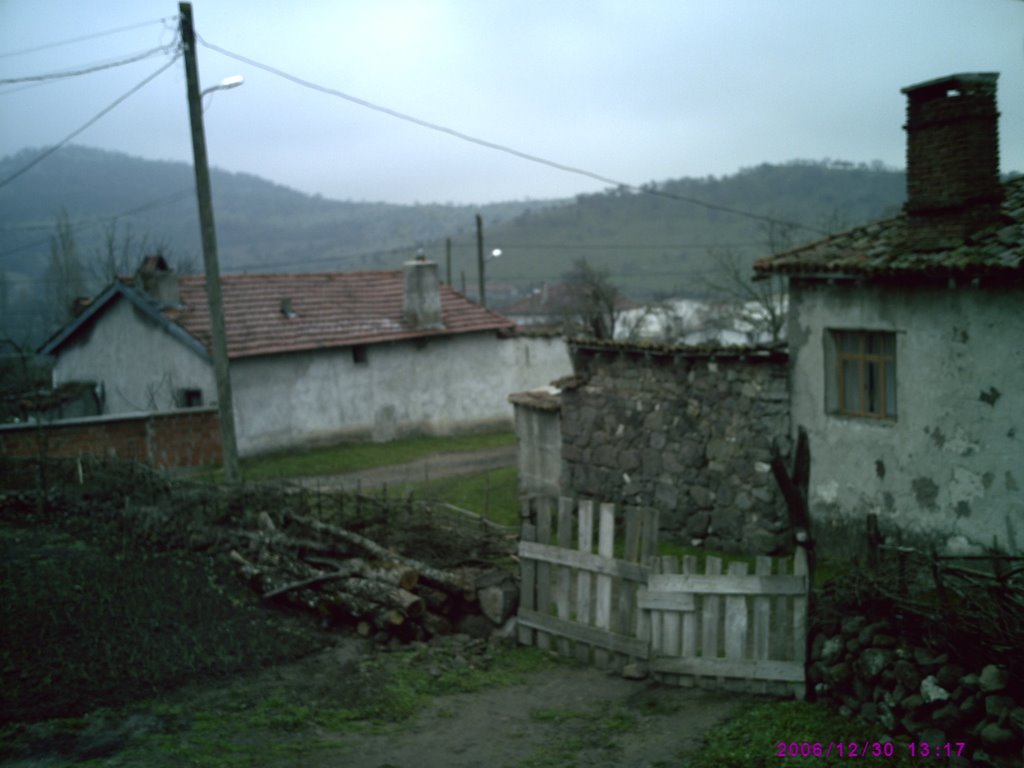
x=699 y=351
x=879 y=250
x=328 y=310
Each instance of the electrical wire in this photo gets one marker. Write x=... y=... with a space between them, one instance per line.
x=501 y=147
x=49 y=151
x=88 y=70
x=85 y=37
x=172 y=198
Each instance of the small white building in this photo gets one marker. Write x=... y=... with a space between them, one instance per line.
x=906 y=341
x=312 y=357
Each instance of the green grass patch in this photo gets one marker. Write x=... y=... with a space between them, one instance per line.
x=267 y=720
x=354 y=457
x=493 y=494
x=87 y=625
x=754 y=738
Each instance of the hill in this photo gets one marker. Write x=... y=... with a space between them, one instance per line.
x=652 y=240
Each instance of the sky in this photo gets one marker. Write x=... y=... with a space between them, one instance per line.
x=630 y=90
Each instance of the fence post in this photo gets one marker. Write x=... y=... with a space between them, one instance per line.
x=527 y=570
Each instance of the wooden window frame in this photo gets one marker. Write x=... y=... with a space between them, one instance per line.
x=858 y=406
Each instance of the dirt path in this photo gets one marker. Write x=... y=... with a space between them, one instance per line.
x=432 y=467
x=563 y=717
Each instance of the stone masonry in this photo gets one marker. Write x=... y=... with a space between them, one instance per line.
x=685 y=430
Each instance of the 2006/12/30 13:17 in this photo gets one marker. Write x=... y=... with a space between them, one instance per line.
x=866 y=749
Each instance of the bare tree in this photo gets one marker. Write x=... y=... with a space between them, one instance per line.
x=121 y=251
x=65 y=274
x=738 y=299
x=589 y=303
x=741 y=301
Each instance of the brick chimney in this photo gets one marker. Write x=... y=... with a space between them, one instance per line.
x=422 y=298
x=953 y=184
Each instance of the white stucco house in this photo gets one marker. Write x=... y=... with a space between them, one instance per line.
x=906 y=341
x=312 y=357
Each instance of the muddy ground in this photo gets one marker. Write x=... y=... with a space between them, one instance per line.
x=565 y=715
x=562 y=717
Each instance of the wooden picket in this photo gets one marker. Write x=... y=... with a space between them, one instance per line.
x=752 y=628
x=589 y=606
x=733 y=629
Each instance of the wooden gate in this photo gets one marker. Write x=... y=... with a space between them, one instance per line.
x=623 y=603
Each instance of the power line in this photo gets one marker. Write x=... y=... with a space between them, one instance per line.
x=87 y=70
x=85 y=37
x=502 y=147
x=46 y=153
x=172 y=198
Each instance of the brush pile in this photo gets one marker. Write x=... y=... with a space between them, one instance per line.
x=347 y=578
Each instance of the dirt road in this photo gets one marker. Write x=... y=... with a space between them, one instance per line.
x=432 y=467
x=562 y=717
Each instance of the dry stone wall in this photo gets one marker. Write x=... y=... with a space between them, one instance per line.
x=867 y=668
x=686 y=431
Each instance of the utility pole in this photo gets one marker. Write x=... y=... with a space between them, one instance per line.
x=480 y=258
x=221 y=371
x=448 y=258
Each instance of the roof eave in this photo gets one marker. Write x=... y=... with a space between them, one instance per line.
x=53 y=345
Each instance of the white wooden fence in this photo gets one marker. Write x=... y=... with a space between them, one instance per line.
x=623 y=603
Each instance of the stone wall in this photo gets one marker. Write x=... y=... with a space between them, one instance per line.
x=866 y=668
x=685 y=430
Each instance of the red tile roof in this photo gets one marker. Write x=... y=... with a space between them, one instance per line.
x=331 y=310
x=880 y=250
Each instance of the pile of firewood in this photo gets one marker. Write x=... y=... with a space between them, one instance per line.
x=347 y=578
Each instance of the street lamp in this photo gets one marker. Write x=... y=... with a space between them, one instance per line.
x=228 y=82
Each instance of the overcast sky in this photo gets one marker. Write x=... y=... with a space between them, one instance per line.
x=634 y=90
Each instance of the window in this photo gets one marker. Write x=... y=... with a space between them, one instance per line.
x=359 y=354
x=861 y=374
x=190 y=398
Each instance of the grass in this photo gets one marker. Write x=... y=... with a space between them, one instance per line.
x=493 y=494
x=278 y=720
x=354 y=457
x=753 y=739
x=87 y=626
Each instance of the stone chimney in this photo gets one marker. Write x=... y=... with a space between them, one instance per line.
x=953 y=186
x=159 y=280
x=422 y=299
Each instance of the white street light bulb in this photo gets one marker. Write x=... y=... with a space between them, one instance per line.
x=496 y=253
x=228 y=82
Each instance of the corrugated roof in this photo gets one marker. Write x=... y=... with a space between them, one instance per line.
x=880 y=250
x=327 y=310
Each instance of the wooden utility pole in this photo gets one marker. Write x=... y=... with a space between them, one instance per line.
x=448 y=258
x=480 y=259
x=222 y=374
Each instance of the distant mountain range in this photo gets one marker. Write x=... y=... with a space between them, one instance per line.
x=657 y=240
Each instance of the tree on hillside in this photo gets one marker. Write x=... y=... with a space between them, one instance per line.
x=589 y=303
x=65 y=273
x=121 y=251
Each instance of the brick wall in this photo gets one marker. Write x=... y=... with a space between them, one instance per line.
x=953 y=186
x=185 y=438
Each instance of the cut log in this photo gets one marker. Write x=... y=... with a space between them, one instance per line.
x=434 y=576
x=392 y=597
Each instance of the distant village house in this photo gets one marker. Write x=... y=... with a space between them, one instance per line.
x=313 y=357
